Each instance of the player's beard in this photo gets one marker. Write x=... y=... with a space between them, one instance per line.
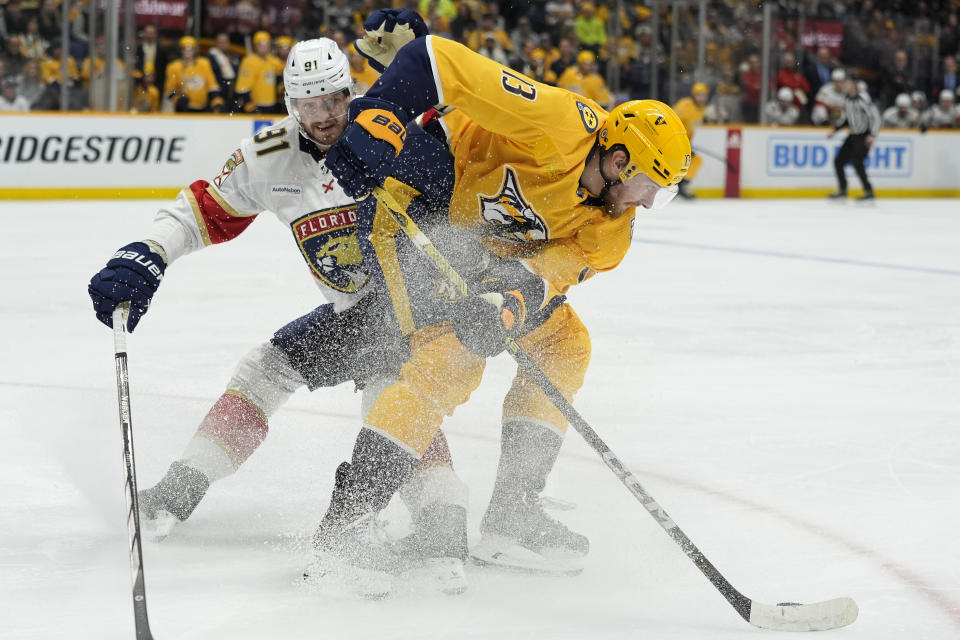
x=326 y=132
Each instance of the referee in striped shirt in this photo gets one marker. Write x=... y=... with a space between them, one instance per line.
x=864 y=121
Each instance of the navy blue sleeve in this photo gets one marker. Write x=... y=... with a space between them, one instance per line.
x=408 y=82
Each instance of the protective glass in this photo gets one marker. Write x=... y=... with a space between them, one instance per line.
x=648 y=193
x=320 y=108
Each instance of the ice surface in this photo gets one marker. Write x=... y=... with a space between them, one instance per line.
x=783 y=377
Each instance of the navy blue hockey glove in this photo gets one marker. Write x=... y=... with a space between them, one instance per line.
x=506 y=302
x=363 y=156
x=386 y=31
x=132 y=275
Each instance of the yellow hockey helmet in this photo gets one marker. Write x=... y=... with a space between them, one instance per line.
x=262 y=36
x=188 y=41
x=586 y=56
x=284 y=41
x=653 y=136
x=699 y=87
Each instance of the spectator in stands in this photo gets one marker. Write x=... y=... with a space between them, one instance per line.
x=360 y=70
x=782 y=110
x=948 y=78
x=94 y=74
x=50 y=20
x=691 y=111
x=339 y=15
x=829 y=101
x=523 y=32
x=591 y=31
x=789 y=77
x=146 y=96
x=583 y=78
x=820 y=69
x=10 y=100
x=32 y=87
x=225 y=64
x=539 y=70
x=901 y=115
x=150 y=51
x=14 y=55
x=260 y=71
x=493 y=49
x=727 y=102
x=896 y=79
x=15 y=19
x=190 y=84
x=943 y=114
x=444 y=8
x=478 y=37
x=464 y=23
x=639 y=70
x=559 y=16
x=751 y=77
x=568 y=57
x=32 y=43
x=50 y=71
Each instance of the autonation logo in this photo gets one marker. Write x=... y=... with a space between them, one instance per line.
x=793 y=156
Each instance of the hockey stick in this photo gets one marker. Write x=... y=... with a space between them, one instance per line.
x=715 y=156
x=141 y=623
x=785 y=616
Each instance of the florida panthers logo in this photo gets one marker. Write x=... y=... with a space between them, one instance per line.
x=509 y=212
x=328 y=241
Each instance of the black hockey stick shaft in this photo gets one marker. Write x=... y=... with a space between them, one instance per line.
x=740 y=602
x=715 y=156
x=141 y=623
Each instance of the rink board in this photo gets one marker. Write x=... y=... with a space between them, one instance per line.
x=97 y=155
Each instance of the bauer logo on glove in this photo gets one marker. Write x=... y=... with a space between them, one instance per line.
x=383 y=125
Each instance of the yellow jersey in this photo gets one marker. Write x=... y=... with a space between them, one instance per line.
x=195 y=80
x=258 y=77
x=363 y=79
x=690 y=113
x=519 y=150
x=590 y=85
x=50 y=70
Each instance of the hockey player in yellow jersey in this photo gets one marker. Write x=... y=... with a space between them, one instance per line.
x=547 y=182
x=190 y=83
x=256 y=87
x=691 y=111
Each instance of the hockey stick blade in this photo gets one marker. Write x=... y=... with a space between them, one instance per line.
x=791 y=616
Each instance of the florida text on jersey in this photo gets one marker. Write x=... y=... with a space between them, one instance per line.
x=280 y=171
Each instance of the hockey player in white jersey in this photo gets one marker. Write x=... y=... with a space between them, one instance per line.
x=828 y=104
x=944 y=113
x=901 y=115
x=280 y=170
x=782 y=110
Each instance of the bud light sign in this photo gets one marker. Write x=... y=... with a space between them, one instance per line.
x=806 y=156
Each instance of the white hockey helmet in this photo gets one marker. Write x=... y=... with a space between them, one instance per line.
x=785 y=94
x=315 y=68
x=946 y=95
x=838 y=75
x=903 y=101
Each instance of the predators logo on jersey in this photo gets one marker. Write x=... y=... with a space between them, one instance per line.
x=228 y=167
x=328 y=241
x=510 y=214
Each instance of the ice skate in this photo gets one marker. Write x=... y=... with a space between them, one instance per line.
x=516 y=531
x=436 y=549
x=359 y=558
x=171 y=501
x=523 y=537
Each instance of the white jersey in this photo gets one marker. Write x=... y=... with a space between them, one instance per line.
x=828 y=105
x=939 y=118
x=908 y=119
x=778 y=114
x=279 y=171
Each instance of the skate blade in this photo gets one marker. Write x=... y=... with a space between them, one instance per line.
x=333 y=575
x=503 y=553
x=440 y=575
